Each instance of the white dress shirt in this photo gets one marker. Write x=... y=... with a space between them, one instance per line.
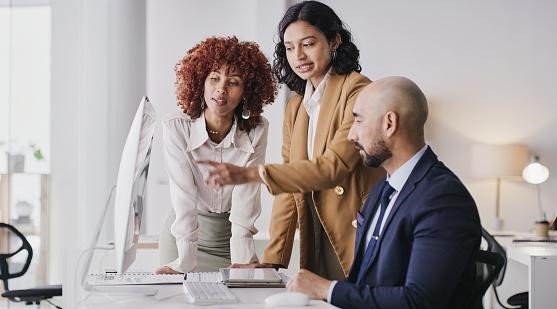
x=186 y=141
x=312 y=104
x=397 y=181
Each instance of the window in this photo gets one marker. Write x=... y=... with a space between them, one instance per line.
x=25 y=125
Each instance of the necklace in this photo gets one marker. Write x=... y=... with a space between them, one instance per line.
x=214 y=132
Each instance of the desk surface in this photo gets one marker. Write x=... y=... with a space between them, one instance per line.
x=524 y=252
x=168 y=296
x=541 y=261
x=171 y=296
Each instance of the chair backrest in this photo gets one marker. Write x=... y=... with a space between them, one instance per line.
x=488 y=266
x=5 y=273
x=494 y=246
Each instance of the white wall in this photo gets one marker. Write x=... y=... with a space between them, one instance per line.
x=98 y=77
x=487 y=69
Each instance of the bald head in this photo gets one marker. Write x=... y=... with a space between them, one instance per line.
x=400 y=95
x=389 y=118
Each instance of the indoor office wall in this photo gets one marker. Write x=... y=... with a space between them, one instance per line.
x=175 y=26
x=98 y=78
x=488 y=70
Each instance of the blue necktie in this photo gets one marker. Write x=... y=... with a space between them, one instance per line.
x=384 y=202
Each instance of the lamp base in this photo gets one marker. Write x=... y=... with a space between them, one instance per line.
x=498 y=224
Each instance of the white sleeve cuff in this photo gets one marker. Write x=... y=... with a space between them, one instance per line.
x=330 y=293
x=242 y=250
x=262 y=174
x=187 y=257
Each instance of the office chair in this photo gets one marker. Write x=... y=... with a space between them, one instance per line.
x=29 y=296
x=518 y=301
x=488 y=267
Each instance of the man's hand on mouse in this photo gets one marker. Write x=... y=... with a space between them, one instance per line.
x=306 y=282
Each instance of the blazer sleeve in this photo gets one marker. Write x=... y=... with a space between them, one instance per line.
x=446 y=234
x=284 y=215
x=324 y=171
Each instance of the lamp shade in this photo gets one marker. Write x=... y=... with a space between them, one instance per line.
x=535 y=173
x=496 y=161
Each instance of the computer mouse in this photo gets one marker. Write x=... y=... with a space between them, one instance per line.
x=285 y=299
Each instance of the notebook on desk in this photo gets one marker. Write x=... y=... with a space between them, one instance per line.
x=252 y=277
x=241 y=277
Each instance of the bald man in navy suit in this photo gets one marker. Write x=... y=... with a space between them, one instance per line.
x=419 y=232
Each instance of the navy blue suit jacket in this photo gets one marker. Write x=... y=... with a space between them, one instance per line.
x=425 y=256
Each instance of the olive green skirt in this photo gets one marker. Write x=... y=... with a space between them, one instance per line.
x=213 y=242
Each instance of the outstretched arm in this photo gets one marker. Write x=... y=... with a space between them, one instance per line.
x=230 y=174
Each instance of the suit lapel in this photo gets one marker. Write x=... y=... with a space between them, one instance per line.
x=299 y=136
x=420 y=170
x=328 y=104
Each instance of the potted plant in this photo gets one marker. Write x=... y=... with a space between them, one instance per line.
x=36 y=151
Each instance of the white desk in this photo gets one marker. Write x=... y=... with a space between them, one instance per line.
x=171 y=296
x=541 y=260
x=168 y=296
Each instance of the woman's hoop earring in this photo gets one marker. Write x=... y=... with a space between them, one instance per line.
x=333 y=55
x=202 y=103
x=245 y=112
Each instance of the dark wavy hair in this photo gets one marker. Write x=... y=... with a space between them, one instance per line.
x=260 y=88
x=327 y=21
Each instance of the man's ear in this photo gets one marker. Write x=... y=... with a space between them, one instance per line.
x=390 y=123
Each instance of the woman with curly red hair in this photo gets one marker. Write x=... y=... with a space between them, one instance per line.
x=222 y=85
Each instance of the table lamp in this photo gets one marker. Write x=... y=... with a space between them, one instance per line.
x=536 y=174
x=498 y=162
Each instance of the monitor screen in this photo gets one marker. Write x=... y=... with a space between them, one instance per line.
x=131 y=185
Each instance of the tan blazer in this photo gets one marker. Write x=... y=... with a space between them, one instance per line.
x=336 y=177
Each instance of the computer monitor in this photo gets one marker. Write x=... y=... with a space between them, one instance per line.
x=130 y=196
x=131 y=185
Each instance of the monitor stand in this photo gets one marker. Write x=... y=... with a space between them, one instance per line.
x=84 y=270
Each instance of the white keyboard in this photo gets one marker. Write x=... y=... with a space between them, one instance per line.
x=213 y=276
x=206 y=293
x=135 y=278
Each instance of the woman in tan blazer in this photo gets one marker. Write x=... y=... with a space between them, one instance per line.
x=321 y=185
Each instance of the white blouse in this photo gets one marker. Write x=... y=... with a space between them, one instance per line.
x=186 y=141
x=312 y=104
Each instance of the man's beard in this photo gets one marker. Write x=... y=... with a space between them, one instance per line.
x=382 y=153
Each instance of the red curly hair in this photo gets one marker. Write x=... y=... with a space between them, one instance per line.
x=260 y=88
